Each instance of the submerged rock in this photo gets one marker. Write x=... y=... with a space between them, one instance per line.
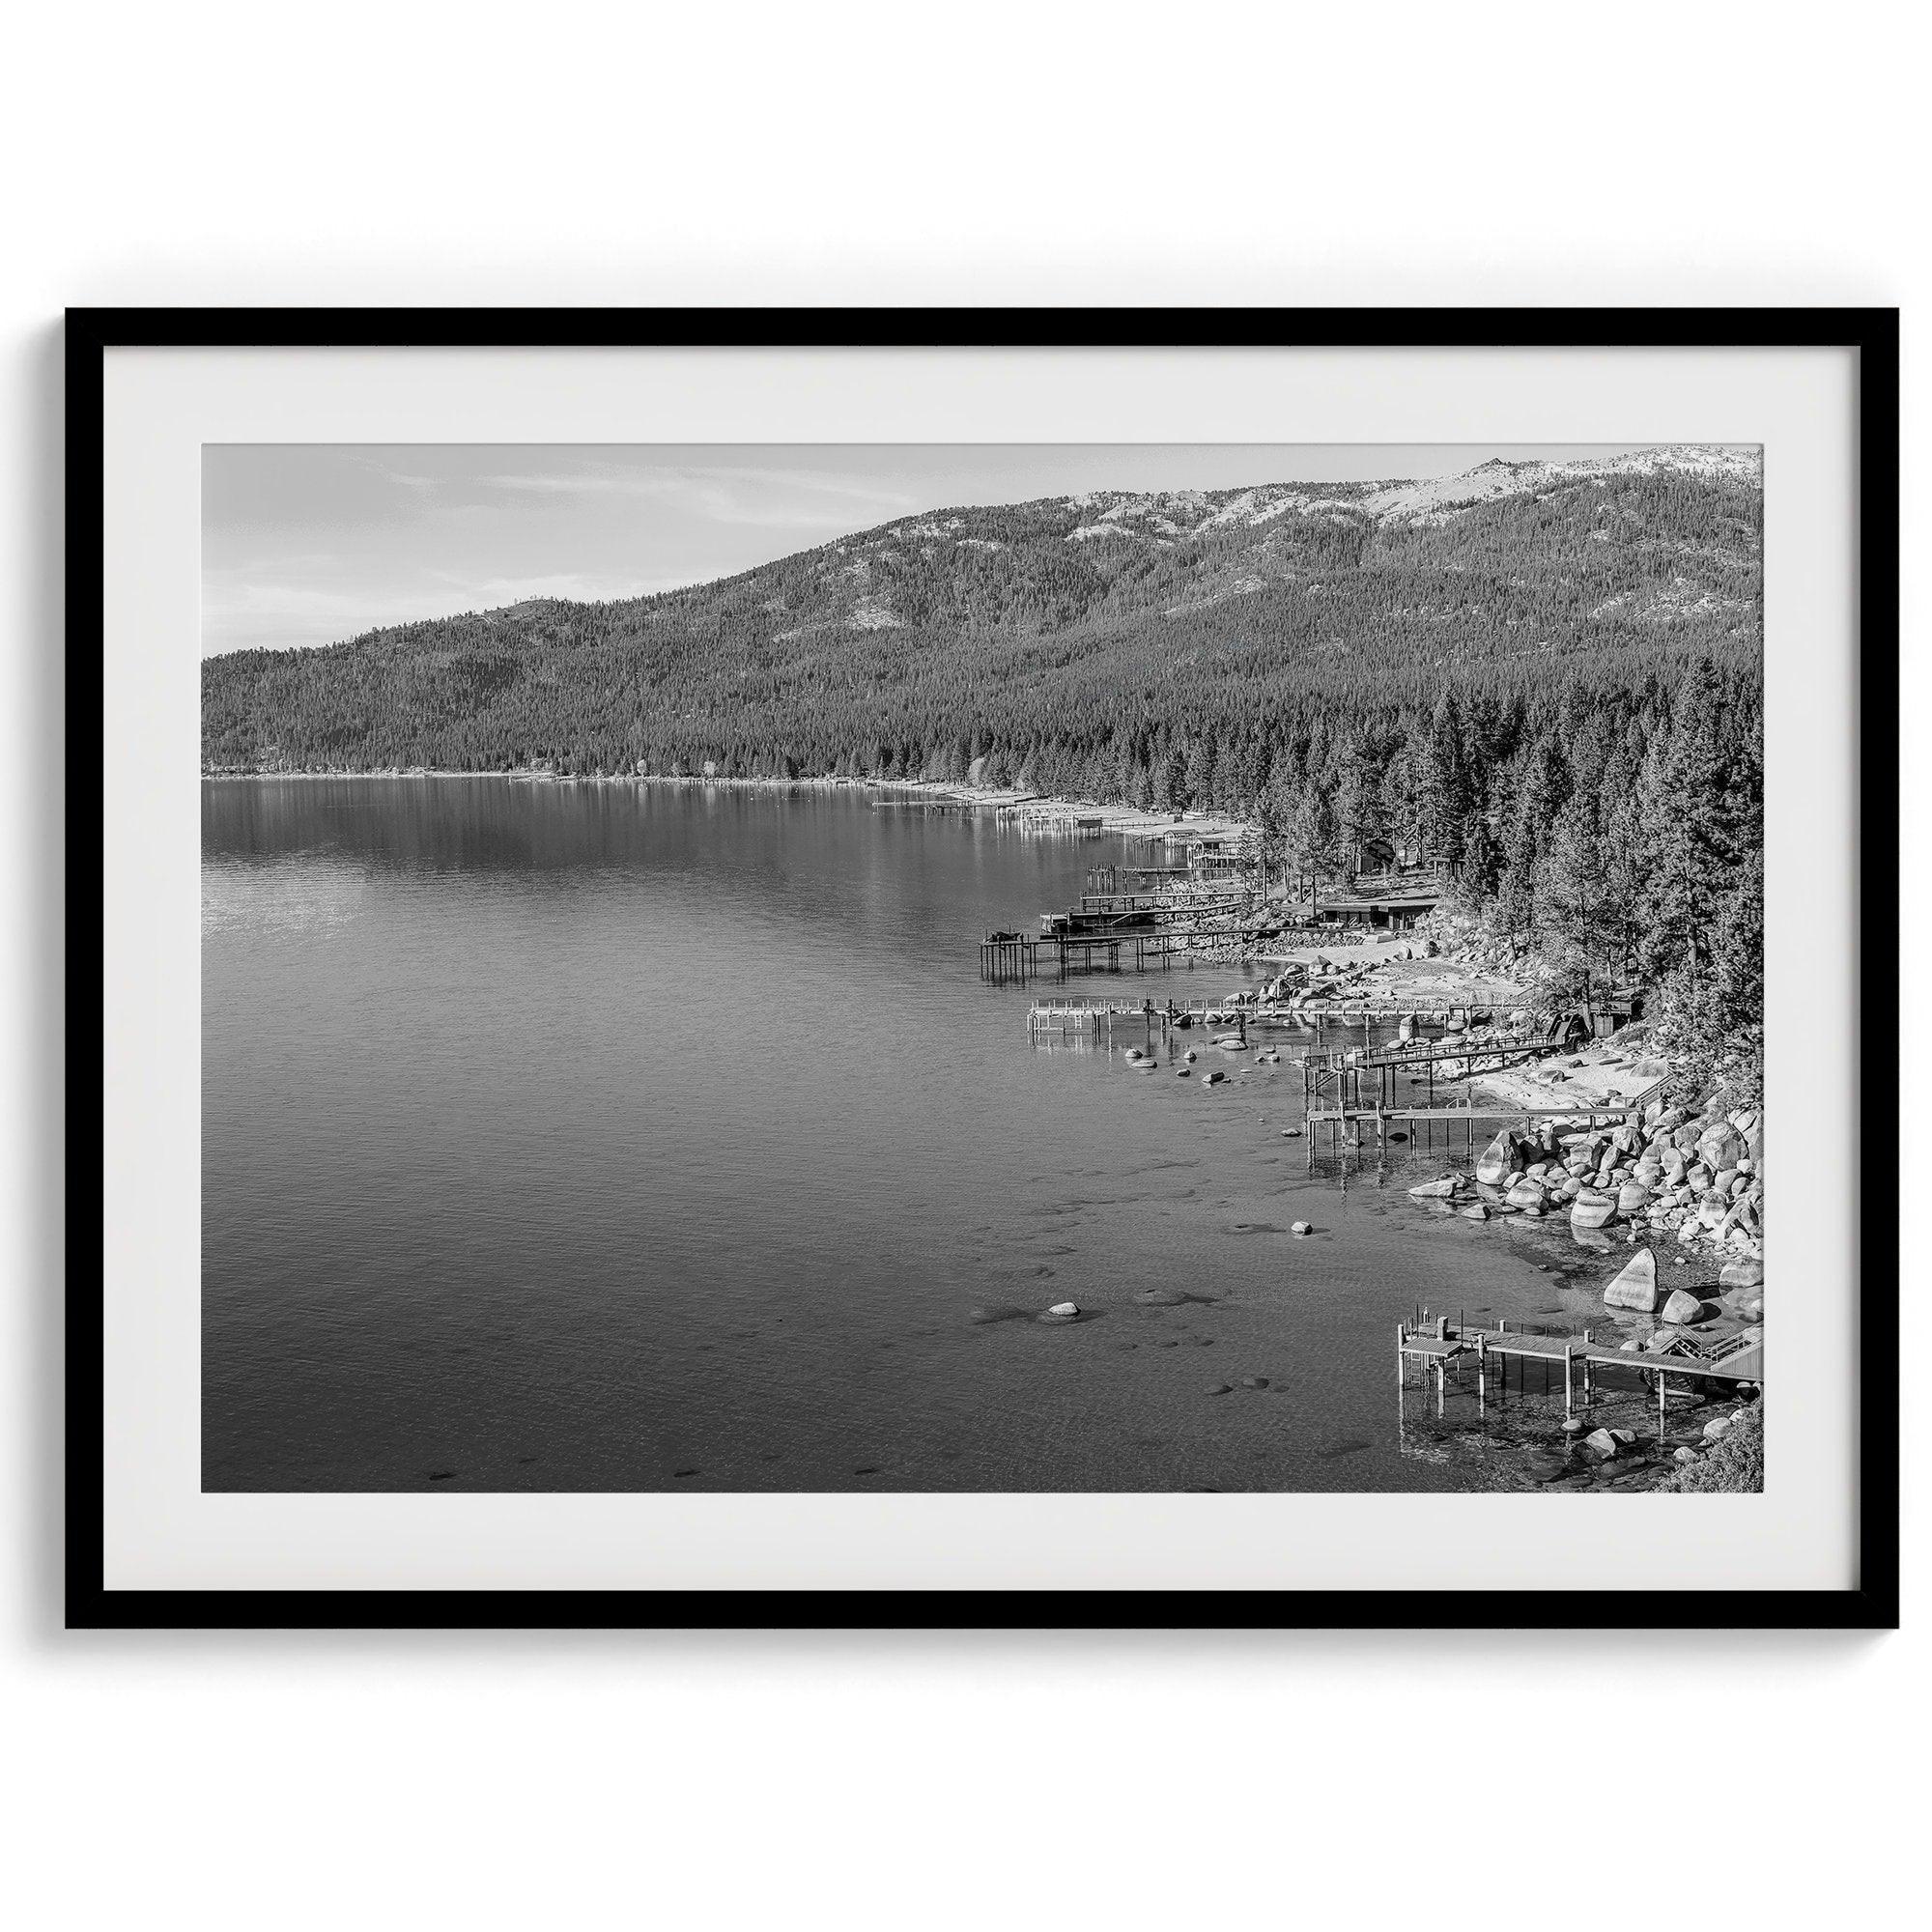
x=1447 y=1185
x=1062 y=1311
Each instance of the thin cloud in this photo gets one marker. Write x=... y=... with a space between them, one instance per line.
x=728 y=494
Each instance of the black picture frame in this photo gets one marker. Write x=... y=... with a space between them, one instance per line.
x=1871 y=333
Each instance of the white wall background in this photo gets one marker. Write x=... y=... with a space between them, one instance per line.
x=842 y=152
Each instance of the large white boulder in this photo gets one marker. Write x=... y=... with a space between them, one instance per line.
x=1636 y=1287
x=1498 y=1160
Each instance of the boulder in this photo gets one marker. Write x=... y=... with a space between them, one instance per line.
x=1525 y=1194
x=1632 y=1197
x=1741 y=1274
x=1474 y=1211
x=1301 y=1227
x=1683 y=1454
x=1574 y=1426
x=1718 y=1427
x=1683 y=1306
x=1592 y=1211
x=1636 y=1287
x=1062 y=1311
x=1601 y=1443
x=1437 y=1189
x=1498 y=1158
x=1625 y=1436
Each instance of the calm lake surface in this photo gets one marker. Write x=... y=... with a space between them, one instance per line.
x=609 y=1137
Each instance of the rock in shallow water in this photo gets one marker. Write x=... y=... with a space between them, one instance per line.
x=1635 y=1286
x=1683 y=1306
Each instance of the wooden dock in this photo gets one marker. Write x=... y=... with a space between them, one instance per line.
x=1098 y=1017
x=1345 y=1078
x=1445 y=1344
x=1070 y=1015
x=1019 y=955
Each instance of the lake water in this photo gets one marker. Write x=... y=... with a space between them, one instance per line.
x=609 y=1137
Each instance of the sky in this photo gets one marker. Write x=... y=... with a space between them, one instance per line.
x=306 y=544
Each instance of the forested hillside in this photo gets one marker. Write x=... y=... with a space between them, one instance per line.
x=1549 y=673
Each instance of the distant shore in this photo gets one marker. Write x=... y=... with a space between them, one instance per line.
x=1033 y=808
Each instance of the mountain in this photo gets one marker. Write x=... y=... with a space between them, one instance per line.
x=1060 y=635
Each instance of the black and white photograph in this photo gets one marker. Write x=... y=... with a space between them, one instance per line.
x=959 y=960
x=990 y=968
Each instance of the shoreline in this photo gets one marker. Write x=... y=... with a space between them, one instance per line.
x=1032 y=808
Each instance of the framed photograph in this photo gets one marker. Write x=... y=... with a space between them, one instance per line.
x=982 y=968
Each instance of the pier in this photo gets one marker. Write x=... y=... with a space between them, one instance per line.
x=1071 y=1014
x=1020 y=955
x=1445 y=1346
x=1343 y=1078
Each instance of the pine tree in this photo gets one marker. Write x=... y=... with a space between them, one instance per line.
x=1445 y=790
x=1697 y=814
x=1359 y=808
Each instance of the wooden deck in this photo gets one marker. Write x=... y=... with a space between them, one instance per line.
x=1444 y=1344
